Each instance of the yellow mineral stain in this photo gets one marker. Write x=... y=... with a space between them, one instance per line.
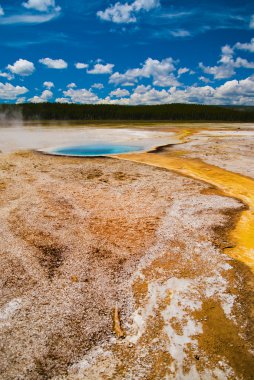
x=184 y=134
x=117 y=324
x=232 y=184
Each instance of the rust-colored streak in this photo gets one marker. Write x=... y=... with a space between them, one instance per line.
x=117 y=324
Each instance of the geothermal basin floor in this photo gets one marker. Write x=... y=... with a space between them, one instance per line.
x=86 y=241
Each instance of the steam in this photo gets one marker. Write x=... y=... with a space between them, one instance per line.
x=10 y=117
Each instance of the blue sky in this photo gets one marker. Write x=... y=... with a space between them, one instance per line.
x=127 y=52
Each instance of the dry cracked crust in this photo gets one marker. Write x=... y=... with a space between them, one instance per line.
x=75 y=232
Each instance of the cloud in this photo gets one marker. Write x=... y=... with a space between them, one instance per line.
x=241 y=62
x=231 y=92
x=219 y=72
x=101 y=69
x=22 y=67
x=142 y=95
x=63 y=100
x=41 y=5
x=126 y=13
x=180 y=33
x=204 y=79
x=227 y=64
x=71 y=85
x=6 y=75
x=118 y=93
x=227 y=51
x=31 y=18
x=99 y=86
x=82 y=96
x=48 y=84
x=182 y=70
x=54 y=63
x=241 y=89
x=10 y=92
x=80 y=65
x=225 y=69
x=20 y=100
x=245 y=46
x=26 y=19
x=119 y=14
x=159 y=71
x=148 y=95
x=43 y=98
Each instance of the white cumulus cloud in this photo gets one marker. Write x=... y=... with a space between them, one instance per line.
x=227 y=63
x=231 y=92
x=161 y=73
x=1 y=11
x=100 y=68
x=248 y=46
x=81 y=65
x=10 y=92
x=41 y=5
x=118 y=93
x=99 y=86
x=22 y=67
x=126 y=13
x=219 y=72
x=204 y=79
x=236 y=92
x=82 y=96
x=182 y=70
x=48 y=84
x=44 y=97
x=54 y=63
x=20 y=100
x=63 y=101
x=234 y=88
x=71 y=85
x=6 y=75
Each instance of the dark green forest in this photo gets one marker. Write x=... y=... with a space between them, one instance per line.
x=167 y=112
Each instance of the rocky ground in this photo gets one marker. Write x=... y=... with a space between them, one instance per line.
x=80 y=237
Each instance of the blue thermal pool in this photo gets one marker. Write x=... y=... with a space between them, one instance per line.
x=94 y=150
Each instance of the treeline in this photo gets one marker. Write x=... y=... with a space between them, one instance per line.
x=170 y=112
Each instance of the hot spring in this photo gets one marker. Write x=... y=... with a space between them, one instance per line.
x=81 y=140
x=93 y=150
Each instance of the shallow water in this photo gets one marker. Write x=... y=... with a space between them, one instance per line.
x=94 y=150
